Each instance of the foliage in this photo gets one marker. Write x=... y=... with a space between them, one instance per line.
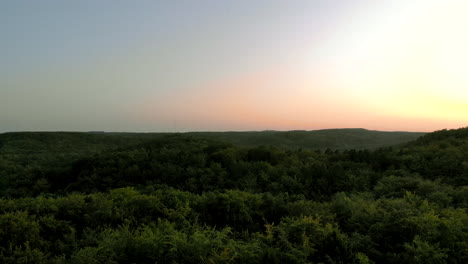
x=98 y=198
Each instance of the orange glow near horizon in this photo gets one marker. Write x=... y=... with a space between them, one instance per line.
x=264 y=101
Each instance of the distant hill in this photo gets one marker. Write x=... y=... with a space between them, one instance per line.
x=78 y=143
x=335 y=139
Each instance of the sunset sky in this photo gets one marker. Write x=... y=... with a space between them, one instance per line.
x=211 y=65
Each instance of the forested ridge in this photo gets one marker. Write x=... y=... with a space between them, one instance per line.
x=191 y=198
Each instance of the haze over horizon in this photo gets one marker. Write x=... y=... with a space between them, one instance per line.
x=175 y=66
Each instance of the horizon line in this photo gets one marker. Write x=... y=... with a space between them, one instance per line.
x=213 y=131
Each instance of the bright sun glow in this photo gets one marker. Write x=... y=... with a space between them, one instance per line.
x=408 y=59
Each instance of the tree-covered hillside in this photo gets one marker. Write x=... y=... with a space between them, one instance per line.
x=190 y=198
x=340 y=139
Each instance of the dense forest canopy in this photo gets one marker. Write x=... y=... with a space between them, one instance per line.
x=202 y=198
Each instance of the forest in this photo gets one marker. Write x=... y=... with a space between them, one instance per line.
x=200 y=198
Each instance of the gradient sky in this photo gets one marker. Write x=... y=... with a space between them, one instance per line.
x=233 y=65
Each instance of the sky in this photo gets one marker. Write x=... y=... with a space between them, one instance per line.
x=210 y=65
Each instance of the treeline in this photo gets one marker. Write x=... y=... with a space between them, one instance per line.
x=185 y=199
x=198 y=165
